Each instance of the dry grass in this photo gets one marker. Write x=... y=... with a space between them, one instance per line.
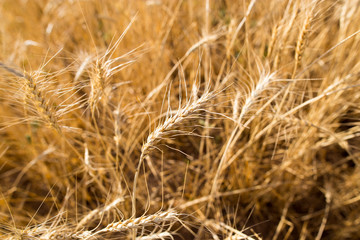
x=160 y=119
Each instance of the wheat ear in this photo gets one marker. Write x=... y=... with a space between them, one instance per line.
x=97 y=84
x=43 y=106
x=193 y=105
x=252 y=98
x=301 y=42
x=162 y=236
x=35 y=96
x=141 y=222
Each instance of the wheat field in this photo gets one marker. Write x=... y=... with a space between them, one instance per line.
x=188 y=119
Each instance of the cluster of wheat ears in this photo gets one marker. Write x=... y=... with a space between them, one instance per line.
x=188 y=119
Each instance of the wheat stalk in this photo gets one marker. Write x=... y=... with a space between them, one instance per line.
x=183 y=113
x=104 y=68
x=251 y=99
x=273 y=40
x=100 y=79
x=192 y=106
x=289 y=19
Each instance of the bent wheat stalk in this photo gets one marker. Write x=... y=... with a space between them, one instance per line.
x=261 y=86
x=192 y=106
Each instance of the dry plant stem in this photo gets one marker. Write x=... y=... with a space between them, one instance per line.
x=283 y=217
x=273 y=40
x=207 y=66
x=300 y=48
x=326 y=214
x=240 y=25
x=231 y=39
x=11 y=70
x=285 y=35
x=237 y=131
x=170 y=22
x=32 y=163
x=44 y=109
x=154 y=93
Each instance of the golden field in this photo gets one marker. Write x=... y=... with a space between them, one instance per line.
x=162 y=119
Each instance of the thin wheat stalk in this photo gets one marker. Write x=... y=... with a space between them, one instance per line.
x=205 y=40
x=328 y=199
x=240 y=25
x=289 y=19
x=261 y=86
x=274 y=36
